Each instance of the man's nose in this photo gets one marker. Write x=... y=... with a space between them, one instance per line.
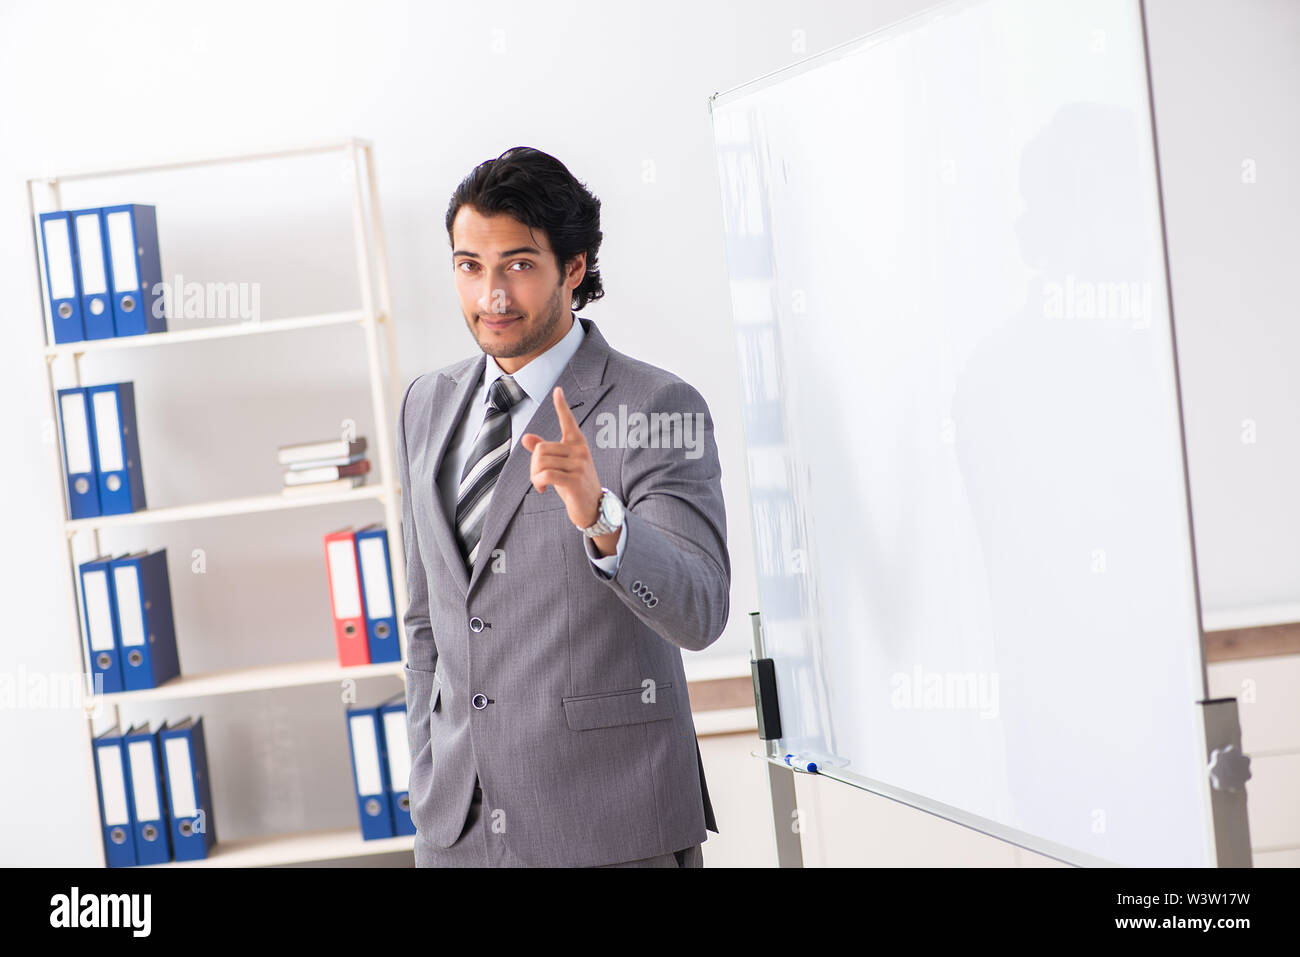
x=494 y=301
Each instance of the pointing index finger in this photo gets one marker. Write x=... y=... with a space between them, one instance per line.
x=568 y=424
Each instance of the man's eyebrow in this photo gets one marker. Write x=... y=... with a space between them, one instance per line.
x=509 y=252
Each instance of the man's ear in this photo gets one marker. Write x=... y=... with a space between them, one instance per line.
x=576 y=269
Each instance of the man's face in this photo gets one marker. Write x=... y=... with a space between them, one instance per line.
x=515 y=300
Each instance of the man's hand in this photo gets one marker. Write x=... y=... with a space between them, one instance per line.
x=567 y=465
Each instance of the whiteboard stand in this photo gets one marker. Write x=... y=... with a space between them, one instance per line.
x=1228 y=769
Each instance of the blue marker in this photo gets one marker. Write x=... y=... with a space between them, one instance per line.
x=800 y=764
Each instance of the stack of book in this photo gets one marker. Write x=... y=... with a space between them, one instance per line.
x=324 y=466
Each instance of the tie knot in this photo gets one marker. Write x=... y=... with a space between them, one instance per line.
x=504 y=393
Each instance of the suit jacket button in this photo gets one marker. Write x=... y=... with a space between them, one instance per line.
x=476 y=624
x=479 y=701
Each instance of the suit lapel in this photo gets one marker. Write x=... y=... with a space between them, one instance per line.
x=450 y=401
x=584 y=384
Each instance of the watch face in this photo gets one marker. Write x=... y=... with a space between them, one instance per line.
x=611 y=510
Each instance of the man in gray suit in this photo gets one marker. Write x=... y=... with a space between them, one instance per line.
x=565 y=537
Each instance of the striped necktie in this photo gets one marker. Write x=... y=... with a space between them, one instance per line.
x=486 y=460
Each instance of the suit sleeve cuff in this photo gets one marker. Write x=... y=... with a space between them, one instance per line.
x=607 y=564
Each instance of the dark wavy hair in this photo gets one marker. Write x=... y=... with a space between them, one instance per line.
x=540 y=192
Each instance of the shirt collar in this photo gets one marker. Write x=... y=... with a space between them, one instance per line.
x=538 y=377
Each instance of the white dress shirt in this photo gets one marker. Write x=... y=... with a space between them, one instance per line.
x=537 y=378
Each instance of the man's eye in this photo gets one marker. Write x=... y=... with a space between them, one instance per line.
x=473 y=265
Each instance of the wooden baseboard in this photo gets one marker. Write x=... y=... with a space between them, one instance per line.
x=1260 y=642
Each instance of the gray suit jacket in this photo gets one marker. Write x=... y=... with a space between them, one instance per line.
x=582 y=737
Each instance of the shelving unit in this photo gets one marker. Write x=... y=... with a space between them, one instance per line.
x=374 y=320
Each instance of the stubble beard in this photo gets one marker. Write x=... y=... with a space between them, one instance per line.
x=533 y=340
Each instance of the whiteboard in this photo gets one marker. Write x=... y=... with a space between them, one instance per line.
x=964 y=439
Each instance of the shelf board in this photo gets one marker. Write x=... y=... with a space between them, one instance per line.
x=297 y=849
x=155 y=165
x=232 y=506
x=238 y=680
x=225 y=331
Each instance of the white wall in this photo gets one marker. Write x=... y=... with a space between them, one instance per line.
x=1225 y=79
x=616 y=91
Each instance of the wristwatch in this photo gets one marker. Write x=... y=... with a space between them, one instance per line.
x=610 y=517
